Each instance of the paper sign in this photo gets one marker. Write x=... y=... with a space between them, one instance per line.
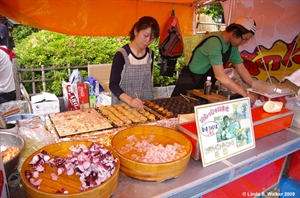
x=224 y=129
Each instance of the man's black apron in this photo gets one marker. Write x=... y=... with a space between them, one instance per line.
x=188 y=80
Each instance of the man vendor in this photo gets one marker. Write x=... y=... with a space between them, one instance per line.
x=212 y=54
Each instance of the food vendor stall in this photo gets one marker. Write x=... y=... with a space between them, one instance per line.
x=266 y=160
x=255 y=171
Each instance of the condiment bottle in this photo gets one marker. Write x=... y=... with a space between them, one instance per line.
x=207 y=86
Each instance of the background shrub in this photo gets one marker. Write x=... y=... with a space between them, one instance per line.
x=50 y=49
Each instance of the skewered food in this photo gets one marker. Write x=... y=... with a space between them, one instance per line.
x=123 y=114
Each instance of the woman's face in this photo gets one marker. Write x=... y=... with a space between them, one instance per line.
x=237 y=41
x=144 y=37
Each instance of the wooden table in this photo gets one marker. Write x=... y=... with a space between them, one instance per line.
x=213 y=97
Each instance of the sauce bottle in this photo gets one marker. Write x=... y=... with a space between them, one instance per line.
x=207 y=86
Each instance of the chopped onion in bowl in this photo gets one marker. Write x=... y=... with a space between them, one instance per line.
x=94 y=164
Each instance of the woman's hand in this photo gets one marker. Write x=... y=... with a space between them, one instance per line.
x=133 y=102
x=137 y=103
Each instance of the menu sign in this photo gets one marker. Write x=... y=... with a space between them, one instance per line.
x=224 y=129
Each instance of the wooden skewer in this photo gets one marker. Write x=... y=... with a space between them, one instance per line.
x=136 y=95
x=191 y=97
x=185 y=98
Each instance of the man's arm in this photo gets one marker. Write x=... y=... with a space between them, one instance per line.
x=231 y=85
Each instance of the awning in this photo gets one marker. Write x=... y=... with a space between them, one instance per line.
x=97 y=17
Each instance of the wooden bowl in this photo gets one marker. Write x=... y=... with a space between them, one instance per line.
x=152 y=171
x=71 y=183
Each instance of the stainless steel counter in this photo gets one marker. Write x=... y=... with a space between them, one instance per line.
x=197 y=181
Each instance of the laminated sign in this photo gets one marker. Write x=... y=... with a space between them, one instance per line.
x=224 y=129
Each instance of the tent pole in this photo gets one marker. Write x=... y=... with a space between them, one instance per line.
x=229 y=13
x=289 y=59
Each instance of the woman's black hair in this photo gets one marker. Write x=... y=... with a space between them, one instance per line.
x=144 y=23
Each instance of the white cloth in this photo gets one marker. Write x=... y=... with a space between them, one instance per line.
x=7 y=82
x=294 y=77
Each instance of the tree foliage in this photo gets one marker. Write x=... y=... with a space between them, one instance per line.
x=20 y=32
x=54 y=49
x=215 y=11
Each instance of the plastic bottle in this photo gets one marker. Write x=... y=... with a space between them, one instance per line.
x=207 y=86
x=97 y=88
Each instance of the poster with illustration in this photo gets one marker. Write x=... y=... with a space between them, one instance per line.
x=224 y=129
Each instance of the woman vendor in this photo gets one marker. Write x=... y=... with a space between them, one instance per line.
x=212 y=54
x=131 y=78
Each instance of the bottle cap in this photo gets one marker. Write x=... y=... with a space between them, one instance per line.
x=278 y=90
x=208 y=78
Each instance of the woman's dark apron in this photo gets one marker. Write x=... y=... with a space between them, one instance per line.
x=136 y=79
x=188 y=80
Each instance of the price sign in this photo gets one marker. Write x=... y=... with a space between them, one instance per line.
x=224 y=129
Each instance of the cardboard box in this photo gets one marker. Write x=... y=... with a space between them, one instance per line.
x=45 y=103
x=101 y=73
x=76 y=96
x=263 y=124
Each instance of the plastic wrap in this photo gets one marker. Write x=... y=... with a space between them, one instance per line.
x=293 y=103
x=75 y=77
x=35 y=135
x=231 y=73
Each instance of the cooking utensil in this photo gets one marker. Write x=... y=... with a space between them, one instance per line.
x=7 y=140
x=11 y=112
x=190 y=97
x=185 y=97
x=2 y=122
